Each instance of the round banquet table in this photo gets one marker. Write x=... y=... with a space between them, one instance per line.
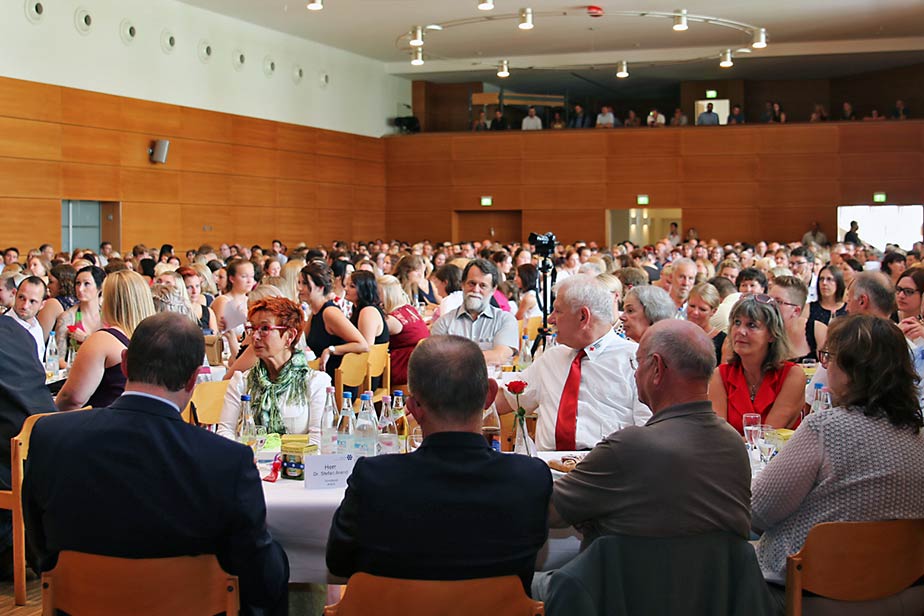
x=299 y=520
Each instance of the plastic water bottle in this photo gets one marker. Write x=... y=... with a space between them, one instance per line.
x=526 y=356
x=247 y=434
x=826 y=403
x=346 y=425
x=491 y=428
x=553 y=341
x=398 y=412
x=51 y=356
x=329 y=423
x=388 y=431
x=366 y=434
x=817 y=398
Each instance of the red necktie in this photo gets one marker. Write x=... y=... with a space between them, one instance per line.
x=566 y=426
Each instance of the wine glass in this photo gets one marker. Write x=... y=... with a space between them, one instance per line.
x=766 y=443
x=751 y=424
x=260 y=442
x=416 y=437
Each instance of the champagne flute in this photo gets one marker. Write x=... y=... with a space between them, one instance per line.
x=416 y=437
x=751 y=424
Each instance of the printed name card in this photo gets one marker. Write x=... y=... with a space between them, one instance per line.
x=328 y=472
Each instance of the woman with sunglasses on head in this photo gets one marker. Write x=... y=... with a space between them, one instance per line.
x=287 y=396
x=861 y=460
x=757 y=378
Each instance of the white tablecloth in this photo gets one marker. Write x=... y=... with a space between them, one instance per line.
x=299 y=519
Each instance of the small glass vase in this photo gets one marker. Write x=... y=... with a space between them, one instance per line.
x=523 y=444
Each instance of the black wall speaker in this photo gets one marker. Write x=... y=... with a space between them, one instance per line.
x=159 y=150
x=408 y=124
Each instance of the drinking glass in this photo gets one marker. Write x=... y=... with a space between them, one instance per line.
x=809 y=367
x=751 y=424
x=260 y=443
x=416 y=438
x=767 y=443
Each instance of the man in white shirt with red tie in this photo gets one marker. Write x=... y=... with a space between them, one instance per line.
x=584 y=388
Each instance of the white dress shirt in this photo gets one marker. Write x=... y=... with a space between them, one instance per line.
x=607 y=399
x=35 y=329
x=531 y=123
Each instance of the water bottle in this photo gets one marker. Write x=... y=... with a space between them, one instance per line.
x=526 y=356
x=388 y=430
x=346 y=425
x=398 y=412
x=491 y=428
x=826 y=403
x=553 y=341
x=329 y=423
x=817 y=398
x=247 y=433
x=205 y=372
x=366 y=434
x=51 y=356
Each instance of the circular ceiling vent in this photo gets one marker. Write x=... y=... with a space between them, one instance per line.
x=298 y=73
x=83 y=21
x=167 y=41
x=323 y=79
x=127 y=32
x=35 y=11
x=204 y=51
x=269 y=66
x=238 y=59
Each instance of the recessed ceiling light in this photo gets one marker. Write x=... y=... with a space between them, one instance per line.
x=526 y=19
x=315 y=5
x=486 y=5
x=622 y=69
x=503 y=69
x=680 y=20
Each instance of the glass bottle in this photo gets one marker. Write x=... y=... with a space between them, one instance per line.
x=400 y=414
x=491 y=428
x=329 y=424
x=247 y=434
x=526 y=356
x=388 y=431
x=366 y=433
x=346 y=425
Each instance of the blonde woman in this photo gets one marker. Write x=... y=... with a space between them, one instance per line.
x=209 y=291
x=96 y=377
x=405 y=325
x=702 y=305
x=291 y=271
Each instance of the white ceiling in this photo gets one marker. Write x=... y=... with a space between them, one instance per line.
x=573 y=43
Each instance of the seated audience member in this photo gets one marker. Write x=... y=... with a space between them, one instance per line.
x=613 y=285
x=777 y=116
x=654 y=480
x=893 y=264
x=447 y=280
x=232 y=304
x=22 y=393
x=171 y=298
x=287 y=396
x=203 y=315
x=679 y=118
x=643 y=307
x=492 y=329
x=830 y=289
x=61 y=290
x=708 y=117
x=847 y=113
x=751 y=280
x=582 y=389
x=30 y=298
x=632 y=120
x=527 y=280
x=861 y=460
x=605 y=119
x=736 y=116
x=849 y=267
x=411 y=271
x=900 y=112
x=329 y=334
x=405 y=325
x=480 y=124
x=701 y=307
x=499 y=122
x=790 y=295
x=246 y=358
x=729 y=297
x=757 y=377
x=368 y=316
x=186 y=506
x=683 y=279
x=8 y=284
x=655 y=119
x=632 y=277
x=38 y=266
x=908 y=292
x=96 y=378
x=531 y=121
x=557 y=122
x=580 y=119
x=76 y=323
x=453 y=478
x=341 y=271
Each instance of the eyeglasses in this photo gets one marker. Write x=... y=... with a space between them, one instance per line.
x=905 y=291
x=263 y=330
x=824 y=357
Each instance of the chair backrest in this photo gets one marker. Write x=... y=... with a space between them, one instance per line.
x=856 y=561
x=531 y=327
x=370 y=594
x=92 y=584
x=379 y=366
x=351 y=373
x=208 y=397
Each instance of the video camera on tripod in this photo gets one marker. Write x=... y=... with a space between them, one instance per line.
x=544 y=245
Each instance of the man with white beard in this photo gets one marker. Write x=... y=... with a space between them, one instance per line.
x=492 y=329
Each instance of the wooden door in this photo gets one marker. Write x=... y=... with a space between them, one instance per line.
x=496 y=225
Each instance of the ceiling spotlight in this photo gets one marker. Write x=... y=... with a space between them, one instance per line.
x=486 y=5
x=417 y=57
x=416 y=36
x=622 y=69
x=726 y=61
x=315 y=5
x=680 y=20
x=760 y=38
x=503 y=69
x=526 y=19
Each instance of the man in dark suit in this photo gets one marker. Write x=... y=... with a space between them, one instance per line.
x=22 y=393
x=134 y=480
x=455 y=508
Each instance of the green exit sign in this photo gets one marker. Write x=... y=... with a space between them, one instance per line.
x=641 y=200
x=879 y=197
x=487 y=201
x=712 y=94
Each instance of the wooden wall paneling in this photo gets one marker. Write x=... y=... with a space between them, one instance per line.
x=414 y=225
x=294 y=225
x=368 y=173
x=419 y=199
x=717 y=194
x=297 y=166
x=19 y=222
x=153 y=185
x=797 y=97
x=253 y=132
x=567 y=171
x=203 y=156
x=89 y=182
x=782 y=223
x=564 y=144
x=643 y=169
x=623 y=195
x=259 y=162
x=724 y=224
x=30 y=139
x=253 y=191
x=726 y=168
x=203 y=125
x=252 y=225
x=419 y=106
x=368 y=199
x=469 y=197
x=496 y=225
x=437 y=173
x=334 y=224
x=203 y=224
x=158 y=120
x=904 y=192
x=334 y=170
x=110 y=223
x=85 y=108
x=816 y=193
x=872 y=137
x=587 y=225
x=29 y=178
x=30 y=100
x=487 y=146
x=479 y=172
x=134 y=151
x=208 y=188
x=332 y=143
x=368 y=226
x=564 y=197
x=335 y=197
x=728 y=141
x=150 y=223
x=412 y=148
x=644 y=142
x=296 y=194
x=881 y=165
x=798 y=139
x=775 y=167
x=294 y=138
x=879 y=90
x=97 y=146
x=368 y=148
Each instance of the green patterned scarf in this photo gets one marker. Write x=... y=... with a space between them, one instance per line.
x=291 y=386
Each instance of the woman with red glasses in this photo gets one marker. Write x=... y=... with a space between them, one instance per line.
x=757 y=378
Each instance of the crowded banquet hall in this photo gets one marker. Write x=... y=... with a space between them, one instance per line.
x=351 y=307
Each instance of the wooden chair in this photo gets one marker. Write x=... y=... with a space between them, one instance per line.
x=531 y=327
x=315 y=364
x=370 y=594
x=379 y=366
x=856 y=561
x=92 y=584
x=208 y=397
x=351 y=373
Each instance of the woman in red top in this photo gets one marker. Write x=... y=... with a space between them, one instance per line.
x=757 y=378
x=405 y=325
